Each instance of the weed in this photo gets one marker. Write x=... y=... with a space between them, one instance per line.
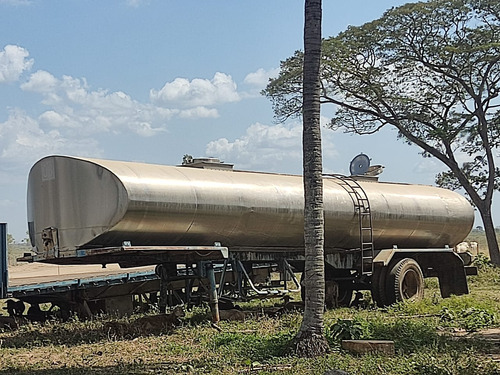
x=451 y=364
x=254 y=347
x=408 y=335
x=345 y=329
x=481 y=261
x=471 y=319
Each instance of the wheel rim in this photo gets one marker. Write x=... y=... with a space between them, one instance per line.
x=410 y=285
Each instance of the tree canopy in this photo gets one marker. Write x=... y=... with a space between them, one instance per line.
x=429 y=69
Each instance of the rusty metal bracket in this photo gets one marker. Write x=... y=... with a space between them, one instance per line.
x=50 y=239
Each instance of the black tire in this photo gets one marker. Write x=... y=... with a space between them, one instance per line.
x=337 y=295
x=405 y=282
x=343 y=299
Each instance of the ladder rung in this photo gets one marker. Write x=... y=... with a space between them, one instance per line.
x=362 y=208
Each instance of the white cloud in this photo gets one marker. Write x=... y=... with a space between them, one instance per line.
x=199 y=112
x=145 y=129
x=57 y=120
x=77 y=110
x=272 y=148
x=13 y=62
x=257 y=81
x=41 y=82
x=198 y=92
x=263 y=147
x=260 y=78
x=73 y=105
x=23 y=141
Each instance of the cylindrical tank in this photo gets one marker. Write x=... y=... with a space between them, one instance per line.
x=101 y=203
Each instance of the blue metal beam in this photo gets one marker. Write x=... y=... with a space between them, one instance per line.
x=4 y=277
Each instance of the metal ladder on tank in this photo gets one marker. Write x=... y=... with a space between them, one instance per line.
x=362 y=209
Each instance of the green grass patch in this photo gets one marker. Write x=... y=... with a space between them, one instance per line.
x=425 y=335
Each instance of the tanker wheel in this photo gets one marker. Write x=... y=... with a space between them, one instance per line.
x=336 y=295
x=405 y=282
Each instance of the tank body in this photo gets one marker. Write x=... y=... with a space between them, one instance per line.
x=101 y=203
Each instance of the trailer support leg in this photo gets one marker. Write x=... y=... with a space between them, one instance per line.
x=213 y=301
x=161 y=271
x=4 y=278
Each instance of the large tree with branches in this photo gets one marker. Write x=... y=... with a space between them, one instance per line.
x=432 y=71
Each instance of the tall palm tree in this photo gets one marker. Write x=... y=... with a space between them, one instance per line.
x=310 y=340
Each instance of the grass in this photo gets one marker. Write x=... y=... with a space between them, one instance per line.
x=419 y=331
x=428 y=335
x=16 y=251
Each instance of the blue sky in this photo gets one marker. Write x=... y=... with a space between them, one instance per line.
x=153 y=80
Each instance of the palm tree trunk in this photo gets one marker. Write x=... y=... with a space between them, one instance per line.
x=310 y=340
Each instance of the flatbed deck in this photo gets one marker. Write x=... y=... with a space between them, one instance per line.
x=36 y=280
x=85 y=289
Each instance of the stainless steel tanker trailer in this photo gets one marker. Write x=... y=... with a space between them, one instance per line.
x=200 y=217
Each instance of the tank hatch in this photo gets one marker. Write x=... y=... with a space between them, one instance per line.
x=205 y=163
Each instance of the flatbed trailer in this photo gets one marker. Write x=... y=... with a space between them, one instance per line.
x=195 y=274
x=83 y=292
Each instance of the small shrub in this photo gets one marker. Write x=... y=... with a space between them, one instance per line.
x=345 y=329
x=470 y=319
x=482 y=262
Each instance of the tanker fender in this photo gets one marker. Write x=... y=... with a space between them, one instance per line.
x=443 y=263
